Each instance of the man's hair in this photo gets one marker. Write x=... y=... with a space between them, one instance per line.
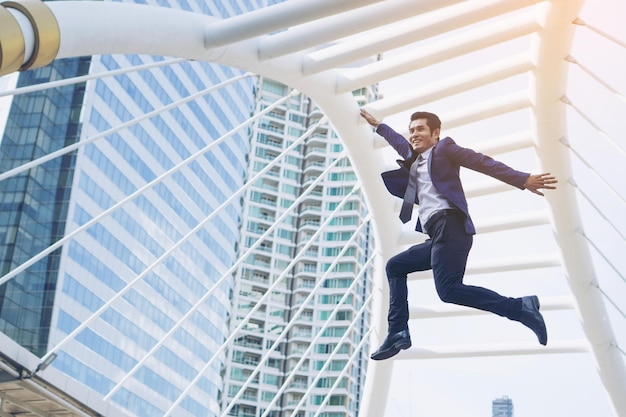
x=432 y=120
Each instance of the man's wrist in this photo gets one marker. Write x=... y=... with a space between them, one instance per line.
x=526 y=181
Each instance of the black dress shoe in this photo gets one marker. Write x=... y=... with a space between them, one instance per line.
x=532 y=318
x=393 y=344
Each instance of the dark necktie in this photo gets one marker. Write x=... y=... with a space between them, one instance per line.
x=410 y=193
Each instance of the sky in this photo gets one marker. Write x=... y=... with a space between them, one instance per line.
x=539 y=385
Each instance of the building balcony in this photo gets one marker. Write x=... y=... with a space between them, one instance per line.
x=304 y=283
x=314 y=167
x=257 y=278
x=315 y=152
x=249 y=344
x=272 y=127
x=277 y=113
x=241 y=414
x=317 y=139
x=310 y=225
x=271 y=186
x=312 y=252
x=296 y=389
x=311 y=210
x=306 y=273
x=272 y=142
x=304 y=335
x=316 y=115
x=251 y=363
x=308 y=180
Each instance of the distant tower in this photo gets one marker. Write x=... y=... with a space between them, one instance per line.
x=502 y=407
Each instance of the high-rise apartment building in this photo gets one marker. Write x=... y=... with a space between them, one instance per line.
x=144 y=251
x=307 y=227
x=502 y=407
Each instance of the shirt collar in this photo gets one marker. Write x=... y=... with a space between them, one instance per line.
x=427 y=152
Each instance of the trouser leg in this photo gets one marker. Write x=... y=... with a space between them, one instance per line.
x=416 y=258
x=450 y=249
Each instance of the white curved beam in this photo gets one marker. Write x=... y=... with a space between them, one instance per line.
x=275 y=17
x=549 y=87
x=391 y=38
x=327 y=30
x=493 y=350
x=89 y=28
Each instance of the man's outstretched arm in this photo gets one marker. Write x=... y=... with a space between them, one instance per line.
x=482 y=163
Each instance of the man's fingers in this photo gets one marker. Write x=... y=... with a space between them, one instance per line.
x=543 y=181
x=373 y=121
x=547 y=178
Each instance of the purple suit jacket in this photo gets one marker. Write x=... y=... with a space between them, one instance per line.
x=444 y=166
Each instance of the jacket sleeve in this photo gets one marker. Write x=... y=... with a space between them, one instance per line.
x=476 y=161
x=396 y=140
x=396 y=180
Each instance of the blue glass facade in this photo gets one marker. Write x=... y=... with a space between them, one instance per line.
x=101 y=261
x=34 y=203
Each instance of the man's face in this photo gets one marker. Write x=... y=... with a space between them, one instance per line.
x=420 y=136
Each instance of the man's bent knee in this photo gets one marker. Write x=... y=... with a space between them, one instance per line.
x=394 y=270
x=448 y=295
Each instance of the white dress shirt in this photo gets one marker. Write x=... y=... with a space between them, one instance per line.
x=430 y=200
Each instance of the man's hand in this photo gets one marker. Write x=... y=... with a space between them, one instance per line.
x=369 y=118
x=535 y=182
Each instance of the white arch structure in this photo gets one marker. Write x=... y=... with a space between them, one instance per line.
x=324 y=48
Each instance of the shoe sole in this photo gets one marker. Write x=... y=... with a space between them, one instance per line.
x=397 y=347
x=402 y=346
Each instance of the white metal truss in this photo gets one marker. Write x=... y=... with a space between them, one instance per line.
x=324 y=49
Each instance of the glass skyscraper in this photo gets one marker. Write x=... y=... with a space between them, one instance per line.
x=34 y=204
x=42 y=305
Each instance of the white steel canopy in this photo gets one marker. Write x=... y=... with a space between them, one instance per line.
x=324 y=48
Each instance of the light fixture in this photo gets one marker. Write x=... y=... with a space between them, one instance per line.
x=43 y=365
